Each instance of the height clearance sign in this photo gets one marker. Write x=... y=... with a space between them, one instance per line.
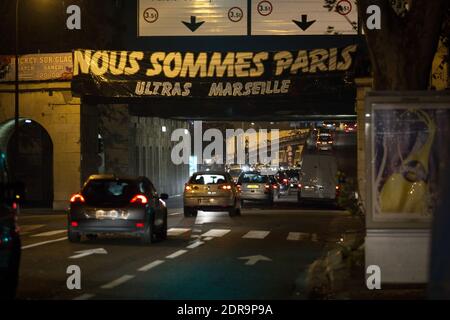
x=136 y=74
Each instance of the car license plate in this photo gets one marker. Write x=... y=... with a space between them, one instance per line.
x=252 y=186
x=206 y=201
x=110 y=214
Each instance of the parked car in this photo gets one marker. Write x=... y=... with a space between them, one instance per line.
x=112 y=204
x=318 y=178
x=256 y=187
x=211 y=191
x=10 y=244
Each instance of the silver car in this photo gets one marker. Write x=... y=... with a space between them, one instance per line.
x=211 y=191
x=257 y=187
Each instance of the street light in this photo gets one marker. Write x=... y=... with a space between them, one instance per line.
x=16 y=91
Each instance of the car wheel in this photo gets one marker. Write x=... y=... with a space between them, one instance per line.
x=92 y=236
x=74 y=236
x=163 y=231
x=148 y=236
x=299 y=198
x=188 y=212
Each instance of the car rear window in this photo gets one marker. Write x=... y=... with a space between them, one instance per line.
x=253 y=178
x=324 y=138
x=110 y=191
x=208 y=179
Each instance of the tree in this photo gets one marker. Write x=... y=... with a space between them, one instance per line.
x=402 y=51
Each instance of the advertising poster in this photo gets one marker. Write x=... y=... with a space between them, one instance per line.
x=410 y=148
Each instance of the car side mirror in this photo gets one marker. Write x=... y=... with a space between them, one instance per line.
x=164 y=196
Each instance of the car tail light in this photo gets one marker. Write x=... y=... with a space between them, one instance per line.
x=77 y=198
x=267 y=186
x=14 y=205
x=299 y=185
x=239 y=187
x=139 y=198
x=274 y=186
x=74 y=224
x=187 y=188
x=139 y=224
x=225 y=187
x=285 y=181
x=337 y=187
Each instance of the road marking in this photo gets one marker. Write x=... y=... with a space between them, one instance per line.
x=85 y=296
x=117 y=282
x=252 y=260
x=256 y=234
x=42 y=243
x=295 y=236
x=195 y=244
x=174 y=214
x=196 y=230
x=176 y=254
x=216 y=233
x=150 y=265
x=27 y=228
x=177 y=231
x=208 y=238
x=314 y=237
x=49 y=233
x=88 y=252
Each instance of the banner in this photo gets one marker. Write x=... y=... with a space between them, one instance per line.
x=37 y=67
x=206 y=74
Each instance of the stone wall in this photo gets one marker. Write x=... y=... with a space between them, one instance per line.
x=52 y=105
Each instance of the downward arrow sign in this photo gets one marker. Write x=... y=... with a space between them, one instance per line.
x=304 y=24
x=254 y=259
x=84 y=253
x=193 y=25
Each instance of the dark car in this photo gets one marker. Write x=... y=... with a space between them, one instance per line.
x=110 y=204
x=288 y=181
x=10 y=246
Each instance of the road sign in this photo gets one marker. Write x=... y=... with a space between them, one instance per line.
x=252 y=260
x=88 y=252
x=303 y=17
x=192 y=18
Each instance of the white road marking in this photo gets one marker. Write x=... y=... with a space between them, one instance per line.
x=150 y=265
x=174 y=214
x=216 y=233
x=88 y=252
x=256 y=234
x=295 y=236
x=208 y=238
x=196 y=230
x=195 y=236
x=117 y=282
x=26 y=228
x=252 y=260
x=49 y=233
x=42 y=243
x=177 y=231
x=176 y=254
x=195 y=244
x=85 y=296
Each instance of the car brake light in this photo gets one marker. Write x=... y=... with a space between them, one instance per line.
x=285 y=180
x=225 y=187
x=139 y=225
x=139 y=198
x=74 y=224
x=267 y=186
x=188 y=188
x=77 y=198
x=14 y=205
x=274 y=186
x=299 y=185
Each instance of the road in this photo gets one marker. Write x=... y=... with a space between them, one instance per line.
x=203 y=257
x=258 y=255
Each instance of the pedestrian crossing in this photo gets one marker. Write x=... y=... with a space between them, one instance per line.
x=200 y=234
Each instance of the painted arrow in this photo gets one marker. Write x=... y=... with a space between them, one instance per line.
x=304 y=23
x=193 y=25
x=84 y=253
x=254 y=259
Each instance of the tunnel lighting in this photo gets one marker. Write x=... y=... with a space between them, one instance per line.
x=367 y=115
x=163 y=128
x=28 y=121
x=186 y=131
x=252 y=123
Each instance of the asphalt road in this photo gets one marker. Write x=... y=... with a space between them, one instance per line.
x=258 y=255
x=201 y=259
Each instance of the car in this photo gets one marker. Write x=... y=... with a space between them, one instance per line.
x=115 y=204
x=211 y=191
x=293 y=177
x=324 y=143
x=256 y=187
x=350 y=127
x=10 y=243
x=235 y=173
x=318 y=179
